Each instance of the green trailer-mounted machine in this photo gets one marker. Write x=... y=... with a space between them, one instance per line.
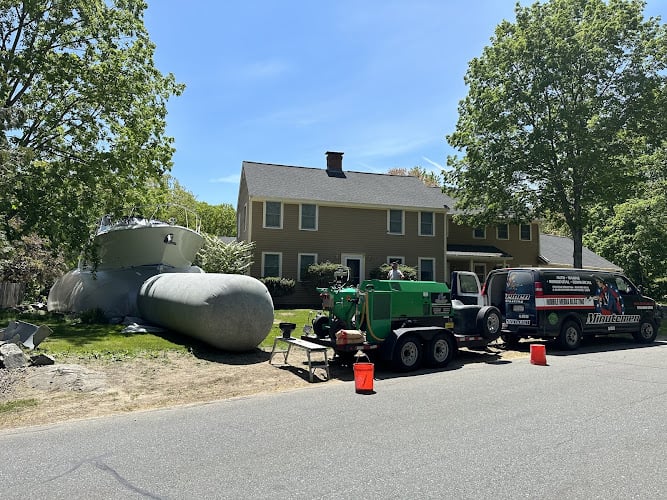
x=405 y=322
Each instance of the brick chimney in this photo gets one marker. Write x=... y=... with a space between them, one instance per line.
x=335 y=164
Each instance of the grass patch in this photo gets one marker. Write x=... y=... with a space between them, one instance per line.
x=71 y=337
x=17 y=405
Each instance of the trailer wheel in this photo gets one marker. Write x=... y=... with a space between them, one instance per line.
x=489 y=322
x=407 y=353
x=570 y=336
x=440 y=350
x=319 y=324
x=646 y=333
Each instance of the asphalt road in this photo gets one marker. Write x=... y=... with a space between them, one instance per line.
x=587 y=425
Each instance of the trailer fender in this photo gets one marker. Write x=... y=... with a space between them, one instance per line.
x=425 y=334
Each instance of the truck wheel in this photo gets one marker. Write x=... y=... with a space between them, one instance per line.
x=319 y=325
x=570 y=336
x=407 y=353
x=646 y=333
x=440 y=350
x=489 y=322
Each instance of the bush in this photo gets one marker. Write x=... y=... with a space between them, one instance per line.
x=226 y=258
x=278 y=287
x=322 y=273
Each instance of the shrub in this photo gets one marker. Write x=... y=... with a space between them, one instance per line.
x=278 y=287
x=226 y=258
x=322 y=273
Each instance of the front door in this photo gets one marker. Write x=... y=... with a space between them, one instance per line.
x=356 y=264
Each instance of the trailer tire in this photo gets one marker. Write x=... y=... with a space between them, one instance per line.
x=408 y=353
x=440 y=350
x=489 y=322
x=646 y=333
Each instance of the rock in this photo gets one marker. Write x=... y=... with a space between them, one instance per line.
x=12 y=356
x=42 y=360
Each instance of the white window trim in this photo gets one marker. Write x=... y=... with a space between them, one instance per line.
x=479 y=237
x=280 y=262
x=420 y=260
x=392 y=258
x=432 y=235
x=402 y=221
x=282 y=212
x=317 y=217
x=530 y=230
x=498 y=232
x=299 y=278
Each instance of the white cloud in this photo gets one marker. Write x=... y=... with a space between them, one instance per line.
x=229 y=179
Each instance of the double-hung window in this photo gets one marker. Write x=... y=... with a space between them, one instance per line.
x=308 y=217
x=271 y=264
x=426 y=224
x=395 y=220
x=273 y=214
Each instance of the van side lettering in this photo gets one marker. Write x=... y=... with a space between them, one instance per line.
x=603 y=319
x=516 y=297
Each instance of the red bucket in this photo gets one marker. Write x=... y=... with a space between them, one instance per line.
x=363 y=377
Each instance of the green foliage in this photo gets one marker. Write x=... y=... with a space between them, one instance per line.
x=278 y=287
x=321 y=274
x=227 y=258
x=428 y=178
x=88 y=109
x=32 y=262
x=380 y=273
x=633 y=235
x=558 y=109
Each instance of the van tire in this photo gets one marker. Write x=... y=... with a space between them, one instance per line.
x=489 y=322
x=570 y=336
x=647 y=332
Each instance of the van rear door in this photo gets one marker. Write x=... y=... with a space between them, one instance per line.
x=520 y=308
x=465 y=287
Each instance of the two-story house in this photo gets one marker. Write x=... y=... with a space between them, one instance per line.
x=298 y=216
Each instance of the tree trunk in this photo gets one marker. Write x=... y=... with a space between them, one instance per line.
x=577 y=237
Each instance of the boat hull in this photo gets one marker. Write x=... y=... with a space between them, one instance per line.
x=229 y=311
x=147 y=245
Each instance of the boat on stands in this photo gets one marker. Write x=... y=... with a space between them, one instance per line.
x=136 y=241
x=143 y=267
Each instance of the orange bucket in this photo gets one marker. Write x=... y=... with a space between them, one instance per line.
x=538 y=354
x=363 y=377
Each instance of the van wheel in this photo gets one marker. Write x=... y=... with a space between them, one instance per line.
x=407 y=353
x=440 y=350
x=570 y=336
x=489 y=322
x=646 y=333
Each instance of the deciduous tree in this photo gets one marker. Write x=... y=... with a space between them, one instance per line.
x=558 y=109
x=88 y=107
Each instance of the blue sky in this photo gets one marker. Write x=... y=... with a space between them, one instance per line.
x=284 y=81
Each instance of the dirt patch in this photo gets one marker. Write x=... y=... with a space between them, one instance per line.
x=75 y=388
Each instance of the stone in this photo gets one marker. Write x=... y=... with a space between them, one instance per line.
x=42 y=360
x=12 y=356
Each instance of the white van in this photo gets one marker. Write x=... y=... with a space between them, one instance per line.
x=566 y=304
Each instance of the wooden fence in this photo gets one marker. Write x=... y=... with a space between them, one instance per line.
x=11 y=294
